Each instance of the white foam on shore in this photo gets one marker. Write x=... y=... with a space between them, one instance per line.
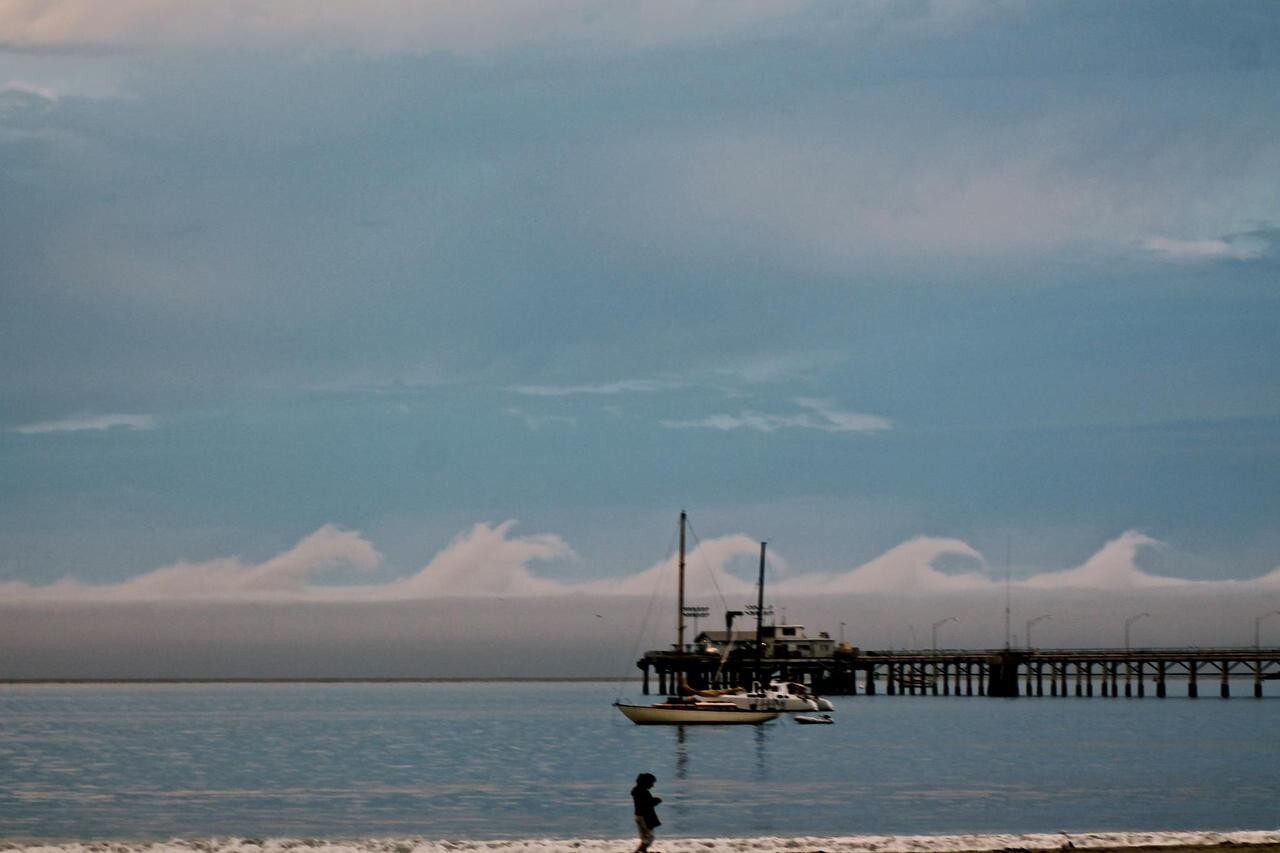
x=842 y=844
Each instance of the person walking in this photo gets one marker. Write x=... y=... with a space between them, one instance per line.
x=646 y=811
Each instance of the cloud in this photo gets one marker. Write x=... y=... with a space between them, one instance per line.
x=912 y=569
x=781 y=367
x=707 y=571
x=822 y=416
x=624 y=386
x=286 y=576
x=906 y=568
x=90 y=422
x=490 y=561
x=904 y=172
x=757 y=369
x=537 y=422
x=21 y=88
x=475 y=27
x=1233 y=248
x=1114 y=567
x=484 y=561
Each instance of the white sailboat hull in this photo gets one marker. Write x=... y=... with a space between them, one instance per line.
x=693 y=714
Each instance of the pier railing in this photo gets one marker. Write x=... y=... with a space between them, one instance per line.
x=983 y=672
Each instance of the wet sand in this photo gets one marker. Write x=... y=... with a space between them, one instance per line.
x=1075 y=844
x=1266 y=841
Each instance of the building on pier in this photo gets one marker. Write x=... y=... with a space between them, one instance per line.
x=776 y=641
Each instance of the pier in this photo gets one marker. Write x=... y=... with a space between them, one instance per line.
x=1108 y=673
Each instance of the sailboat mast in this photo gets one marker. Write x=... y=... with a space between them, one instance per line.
x=759 y=611
x=680 y=593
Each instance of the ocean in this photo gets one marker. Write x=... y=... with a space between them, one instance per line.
x=548 y=765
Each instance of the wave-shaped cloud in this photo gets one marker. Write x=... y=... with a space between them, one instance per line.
x=706 y=567
x=1115 y=566
x=289 y=575
x=489 y=560
x=484 y=561
x=906 y=568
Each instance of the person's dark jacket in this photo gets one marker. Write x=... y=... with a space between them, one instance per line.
x=645 y=806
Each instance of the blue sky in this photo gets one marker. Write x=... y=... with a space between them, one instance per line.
x=843 y=276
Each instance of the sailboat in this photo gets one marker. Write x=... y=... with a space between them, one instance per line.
x=691 y=710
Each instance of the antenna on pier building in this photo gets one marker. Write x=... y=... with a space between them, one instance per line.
x=1008 y=573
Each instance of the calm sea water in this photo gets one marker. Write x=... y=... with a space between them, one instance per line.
x=539 y=760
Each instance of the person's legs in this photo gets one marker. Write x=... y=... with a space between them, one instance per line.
x=646 y=835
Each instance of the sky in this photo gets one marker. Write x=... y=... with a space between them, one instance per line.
x=351 y=338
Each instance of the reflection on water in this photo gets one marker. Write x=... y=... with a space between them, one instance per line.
x=762 y=763
x=682 y=754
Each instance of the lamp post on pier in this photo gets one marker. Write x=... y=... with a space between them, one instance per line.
x=938 y=624
x=1129 y=622
x=1257 y=647
x=1257 y=621
x=1036 y=621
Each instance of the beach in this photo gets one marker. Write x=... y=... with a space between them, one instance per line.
x=1104 y=842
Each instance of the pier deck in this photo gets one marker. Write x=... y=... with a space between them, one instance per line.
x=990 y=672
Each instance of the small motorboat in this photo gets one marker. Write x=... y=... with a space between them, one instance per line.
x=810 y=720
x=797 y=697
